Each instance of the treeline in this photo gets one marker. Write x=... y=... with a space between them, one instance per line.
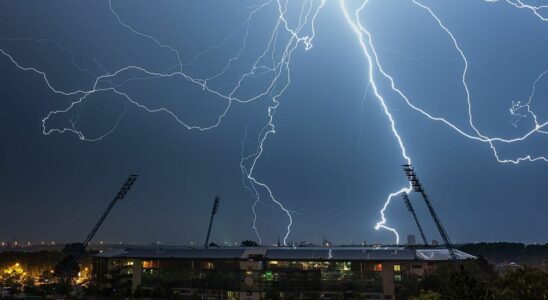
x=476 y=280
x=37 y=262
x=34 y=263
x=508 y=252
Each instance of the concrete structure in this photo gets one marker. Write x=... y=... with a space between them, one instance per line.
x=260 y=272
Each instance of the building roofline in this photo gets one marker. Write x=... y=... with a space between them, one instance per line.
x=285 y=253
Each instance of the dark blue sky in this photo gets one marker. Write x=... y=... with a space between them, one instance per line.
x=333 y=158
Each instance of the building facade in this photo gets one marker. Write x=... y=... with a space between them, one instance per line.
x=264 y=272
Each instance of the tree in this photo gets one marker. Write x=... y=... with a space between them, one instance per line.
x=30 y=288
x=249 y=243
x=427 y=295
x=462 y=286
x=272 y=293
x=62 y=288
x=138 y=293
x=523 y=283
x=464 y=280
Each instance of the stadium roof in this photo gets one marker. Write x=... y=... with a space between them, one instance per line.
x=287 y=253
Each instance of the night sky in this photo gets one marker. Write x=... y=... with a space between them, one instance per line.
x=333 y=158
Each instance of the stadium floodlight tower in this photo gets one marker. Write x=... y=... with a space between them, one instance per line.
x=68 y=267
x=412 y=211
x=417 y=186
x=213 y=213
x=119 y=196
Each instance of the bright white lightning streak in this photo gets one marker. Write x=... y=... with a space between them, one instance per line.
x=517 y=106
x=277 y=86
x=361 y=33
x=535 y=9
x=280 y=68
x=368 y=49
x=478 y=136
x=490 y=140
x=269 y=128
x=538 y=128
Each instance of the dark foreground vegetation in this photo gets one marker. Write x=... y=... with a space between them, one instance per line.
x=504 y=271
x=502 y=252
x=477 y=280
x=27 y=274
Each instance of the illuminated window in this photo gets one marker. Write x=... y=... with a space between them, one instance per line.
x=378 y=267
x=397 y=278
x=397 y=268
x=147 y=264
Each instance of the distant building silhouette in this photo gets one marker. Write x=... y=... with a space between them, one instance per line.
x=411 y=240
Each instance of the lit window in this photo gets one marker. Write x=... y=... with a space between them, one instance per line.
x=397 y=278
x=147 y=264
x=397 y=268
x=378 y=267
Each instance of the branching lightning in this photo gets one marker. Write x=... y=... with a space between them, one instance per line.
x=274 y=60
x=535 y=9
x=292 y=29
x=368 y=49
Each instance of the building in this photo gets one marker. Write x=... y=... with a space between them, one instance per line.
x=411 y=240
x=260 y=272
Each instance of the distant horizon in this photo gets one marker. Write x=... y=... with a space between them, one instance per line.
x=165 y=243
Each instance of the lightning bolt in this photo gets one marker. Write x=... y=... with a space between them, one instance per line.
x=248 y=163
x=274 y=61
x=535 y=9
x=364 y=38
x=293 y=29
x=365 y=41
x=517 y=107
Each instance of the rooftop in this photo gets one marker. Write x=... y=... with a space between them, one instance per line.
x=287 y=253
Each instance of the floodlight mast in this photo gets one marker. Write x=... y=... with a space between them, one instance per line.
x=119 y=196
x=417 y=187
x=213 y=213
x=68 y=267
x=410 y=208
